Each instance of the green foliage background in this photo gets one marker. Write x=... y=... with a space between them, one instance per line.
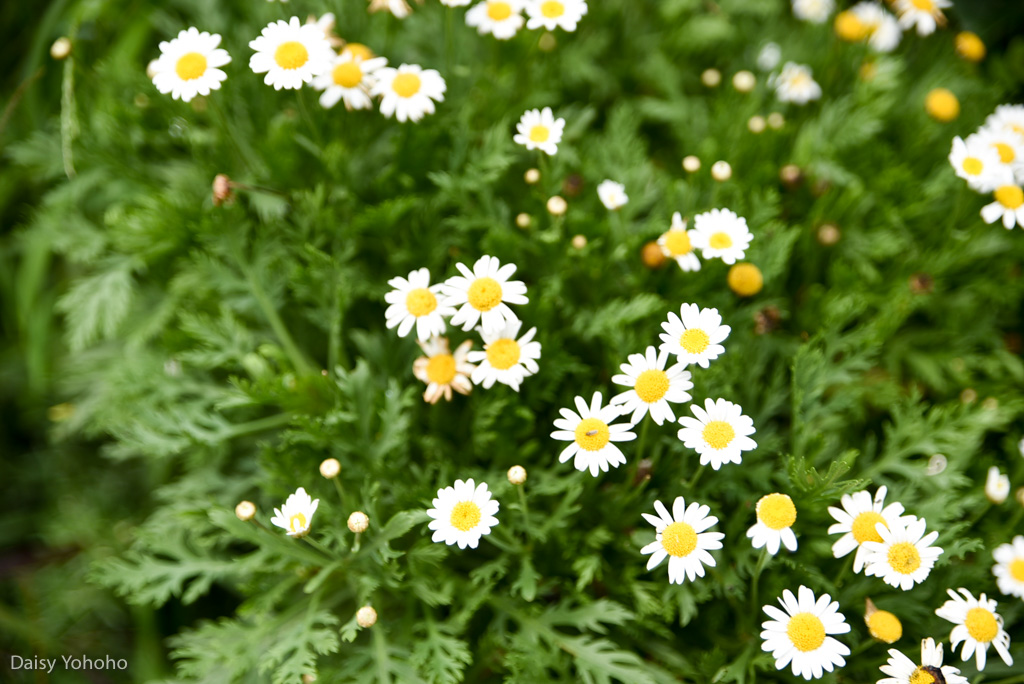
x=181 y=346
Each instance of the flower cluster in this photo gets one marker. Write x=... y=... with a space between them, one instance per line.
x=992 y=160
x=870 y=21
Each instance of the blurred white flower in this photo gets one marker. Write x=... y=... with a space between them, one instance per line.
x=997 y=486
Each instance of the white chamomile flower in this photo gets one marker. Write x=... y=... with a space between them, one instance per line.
x=592 y=435
x=695 y=335
x=1007 y=118
x=290 y=53
x=721 y=234
x=414 y=302
x=1008 y=145
x=720 y=433
x=1009 y=567
x=612 y=195
x=856 y=521
x=408 y=92
x=978 y=625
x=997 y=485
x=462 y=514
x=977 y=163
x=677 y=243
x=297 y=513
x=795 y=84
x=903 y=670
x=905 y=555
x=814 y=11
x=552 y=14
x=442 y=370
x=776 y=514
x=925 y=15
x=400 y=9
x=883 y=30
x=681 y=538
x=538 y=129
x=481 y=295
x=1009 y=206
x=187 y=65
x=349 y=78
x=653 y=387
x=500 y=18
x=506 y=359
x=799 y=635
x=769 y=56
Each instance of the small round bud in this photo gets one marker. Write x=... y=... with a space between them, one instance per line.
x=849 y=27
x=791 y=175
x=547 y=42
x=882 y=624
x=579 y=241
x=141 y=101
x=990 y=404
x=330 y=468
x=756 y=124
x=245 y=511
x=711 y=78
x=691 y=164
x=358 y=522
x=921 y=283
x=776 y=120
x=60 y=412
x=942 y=105
x=828 y=234
x=968 y=396
x=744 y=81
x=531 y=176
x=745 y=279
x=1020 y=495
x=721 y=171
x=969 y=46
x=557 y=206
x=308 y=678
x=151 y=69
x=517 y=475
x=523 y=220
x=652 y=256
x=367 y=616
x=61 y=48
x=221 y=189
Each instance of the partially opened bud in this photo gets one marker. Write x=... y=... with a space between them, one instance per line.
x=366 y=617
x=221 y=189
x=517 y=475
x=245 y=511
x=330 y=468
x=358 y=522
x=61 y=48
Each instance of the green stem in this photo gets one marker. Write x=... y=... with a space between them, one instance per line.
x=68 y=119
x=525 y=509
x=380 y=652
x=296 y=356
x=762 y=561
x=258 y=425
x=320 y=547
x=308 y=117
x=358 y=541
x=846 y=567
x=341 y=494
x=696 y=477
x=241 y=145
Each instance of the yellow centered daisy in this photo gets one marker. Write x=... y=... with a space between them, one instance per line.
x=1017 y=570
x=885 y=626
x=863 y=527
x=539 y=134
x=552 y=9
x=420 y=301
x=904 y=558
x=592 y=434
x=981 y=625
x=441 y=369
x=805 y=630
x=849 y=27
x=291 y=55
x=720 y=241
x=921 y=676
x=499 y=11
x=926 y=5
x=679 y=539
x=1010 y=196
x=465 y=516
x=651 y=385
x=484 y=294
x=777 y=512
x=678 y=242
x=297 y=522
x=694 y=341
x=347 y=75
x=406 y=85
x=503 y=353
x=972 y=166
x=1006 y=153
x=190 y=66
x=718 y=434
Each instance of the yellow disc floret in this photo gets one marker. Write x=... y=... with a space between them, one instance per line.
x=718 y=434
x=190 y=66
x=465 y=516
x=863 y=527
x=904 y=558
x=921 y=675
x=1017 y=569
x=651 y=385
x=406 y=85
x=694 y=340
x=552 y=9
x=420 y=301
x=358 y=51
x=981 y=624
x=677 y=242
x=884 y=626
x=498 y=11
x=806 y=631
x=441 y=369
x=347 y=74
x=503 y=354
x=972 y=166
x=592 y=434
x=291 y=55
x=969 y=46
x=849 y=27
x=1010 y=196
x=776 y=511
x=484 y=294
x=297 y=522
x=539 y=134
x=745 y=279
x=720 y=240
x=679 y=539
x=942 y=105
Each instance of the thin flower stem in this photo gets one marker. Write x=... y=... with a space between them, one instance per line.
x=642 y=442
x=358 y=541
x=245 y=152
x=319 y=547
x=525 y=509
x=308 y=117
x=846 y=568
x=762 y=561
x=296 y=356
x=258 y=425
x=341 y=493
x=696 y=476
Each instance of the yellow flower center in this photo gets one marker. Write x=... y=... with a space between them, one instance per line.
x=297 y=522
x=777 y=512
x=718 y=434
x=499 y=11
x=904 y=558
x=942 y=105
x=745 y=280
x=1017 y=569
x=694 y=340
x=926 y=5
x=420 y=301
x=849 y=27
x=677 y=242
x=981 y=624
x=465 y=516
x=347 y=74
x=651 y=385
x=921 y=676
x=806 y=631
x=406 y=85
x=291 y=55
x=679 y=539
x=970 y=46
x=503 y=354
x=1006 y=153
x=863 y=527
x=972 y=166
x=190 y=66
x=359 y=51
x=592 y=434
x=441 y=369
x=720 y=241
x=552 y=9
x=484 y=294
x=1010 y=196
x=885 y=626
x=539 y=134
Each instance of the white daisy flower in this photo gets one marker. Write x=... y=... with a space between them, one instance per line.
x=721 y=234
x=905 y=555
x=856 y=521
x=883 y=30
x=442 y=370
x=400 y=9
x=977 y=163
x=903 y=670
x=814 y=11
x=297 y=513
x=677 y=243
x=769 y=56
x=925 y=15
x=1008 y=144
x=775 y=517
x=681 y=538
x=720 y=433
x=800 y=637
x=695 y=335
x=538 y=129
x=552 y=14
x=997 y=485
x=1007 y=118
x=1009 y=567
x=506 y=359
x=612 y=195
x=653 y=387
x=349 y=78
x=408 y=92
x=795 y=84
x=978 y=625
x=592 y=435
x=290 y=53
x=414 y=302
x=1009 y=206
x=187 y=65
x=500 y=18
x=462 y=514
x=481 y=295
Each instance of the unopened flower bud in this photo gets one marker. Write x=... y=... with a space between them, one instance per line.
x=652 y=256
x=691 y=164
x=531 y=176
x=366 y=617
x=744 y=81
x=523 y=221
x=721 y=171
x=828 y=234
x=547 y=42
x=358 y=522
x=308 y=678
x=579 y=241
x=711 y=78
x=221 y=189
x=882 y=624
x=61 y=48
x=557 y=206
x=745 y=279
x=245 y=511
x=790 y=175
x=330 y=468
x=517 y=475
x=776 y=120
x=756 y=124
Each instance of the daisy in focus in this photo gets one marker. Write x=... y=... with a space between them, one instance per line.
x=814 y=11
x=677 y=243
x=187 y=65
x=856 y=521
x=681 y=538
x=481 y=295
x=612 y=195
x=721 y=234
x=799 y=635
x=1009 y=567
x=408 y=92
x=905 y=555
x=538 y=129
x=720 y=433
x=881 y=28
x=1008 y=207
x=695 y=335
x=462 y=514
x=290 y=53
x=592 y=435
x=506 y=359
x=414 y=302
x=978 y=626
x=552 y=14
x=500 y=18
x=774 y=527
x=924 y=15
x=442 y=370
x=795 y=84
x=349 y=78
x=903 y=670
x=977 y=163
x=652 y=387
x=296 y=515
